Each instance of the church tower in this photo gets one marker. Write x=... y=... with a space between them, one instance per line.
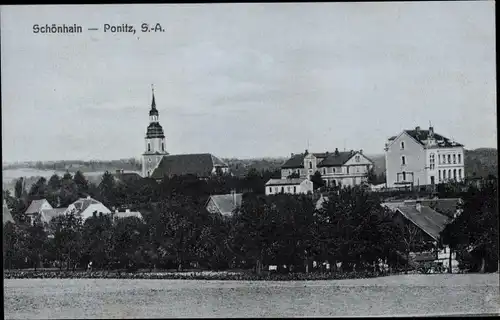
x=154 y=141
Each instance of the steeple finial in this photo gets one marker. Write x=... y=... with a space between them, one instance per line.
x=153 y=102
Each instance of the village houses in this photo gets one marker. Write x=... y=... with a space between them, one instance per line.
x=338 y=168
x=422 y=157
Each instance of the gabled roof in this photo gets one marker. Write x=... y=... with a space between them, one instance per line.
x=49 y=214
x=428 y=220
x=227 y=203
x=445 y=206
x=200 y=165
x=7 y=216
x=336 y=159
x=421 y=135
x=35 y=206
x=83 y=203
x=279 y=182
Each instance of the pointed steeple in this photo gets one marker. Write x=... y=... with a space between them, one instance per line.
x=153 y=111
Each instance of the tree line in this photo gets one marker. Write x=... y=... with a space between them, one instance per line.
x=352 y=231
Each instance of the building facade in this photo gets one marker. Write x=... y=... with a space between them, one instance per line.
x=154 y=142
x=347 y=168
x=422 y=157
x=290 y=186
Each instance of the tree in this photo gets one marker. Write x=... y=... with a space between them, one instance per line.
x=106 y=189
x=81 y=184
x=19 y=188
x=67 y=238
x=97 y=237
x=54 y=183
x=36 y=239
x=372 y=177
x=317 y=180
x=475 y=230
x=39 y=189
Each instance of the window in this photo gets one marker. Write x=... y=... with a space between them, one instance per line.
x=402 y=145
x=149 y=159
x=357 y=169
x=294 y=189
x=270 y=190
x=149 y=146
x=404 y=176
x=403 y=160
x=439 y=175
x=460 y=173
x=324 y=170
x=459 y=158
x=310 y=165
x=444 y=174
x=449 y=173
x=149 y=172
x=449 y=158
x=162 y=146
x=455 y=174
x=333 y=170
x=454 y=158
x=282 y=189
x=431 y=161
x=347 y=169
x=357 y=158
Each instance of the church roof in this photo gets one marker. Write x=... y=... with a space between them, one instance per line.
x=200 y=165
x=153 y=111
x=155 y=130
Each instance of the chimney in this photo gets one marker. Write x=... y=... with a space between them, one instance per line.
x=431 y=131
x=291 y=155
x=127 y=210
x=336 y=151
x=361 y=151
x=417 y=129
x=88 y=197
x=306 y=152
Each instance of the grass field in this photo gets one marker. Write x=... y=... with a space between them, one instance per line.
x=394 y=295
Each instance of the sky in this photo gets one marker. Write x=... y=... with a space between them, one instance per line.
x=246 y=80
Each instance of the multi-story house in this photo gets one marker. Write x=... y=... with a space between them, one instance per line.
x=422 y=157
x=337 y=168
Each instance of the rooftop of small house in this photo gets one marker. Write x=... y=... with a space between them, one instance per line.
x=227 y=203
x=35 y=206
x=281 y=182
x=126 y=214
x=327 y=159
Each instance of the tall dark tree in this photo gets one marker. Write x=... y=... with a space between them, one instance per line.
x=19 y=188
x=39 y=189
x=54 y=183
x=317 y=180
x=106 y=189
x=81 y=184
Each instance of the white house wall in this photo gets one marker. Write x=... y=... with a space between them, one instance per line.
x=415 y=157
x=89 y=212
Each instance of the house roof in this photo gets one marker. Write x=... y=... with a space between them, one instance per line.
x=227 y=203
x=422 y=135
x=336 y=159
x=7 y=216
x=35 y=206
x=127 y=214
x=127 y=177
x=279 y=182
x=49 y=214
x=297 y=161
x=326 y=159
x=428 y=220
x=83 y=203
x=445 y=206
x=321 y=201
x=200 y=165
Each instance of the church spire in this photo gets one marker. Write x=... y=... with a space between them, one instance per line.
x=153 y=113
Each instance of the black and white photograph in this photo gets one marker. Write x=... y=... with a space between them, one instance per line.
x=243 y=160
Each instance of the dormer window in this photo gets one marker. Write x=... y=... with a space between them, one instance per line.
x=402 y=145
x=357 y=158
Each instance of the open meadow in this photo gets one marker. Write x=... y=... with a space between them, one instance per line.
x=393 y=295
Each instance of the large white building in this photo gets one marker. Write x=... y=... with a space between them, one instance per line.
x=338 y=168
x=422 y=157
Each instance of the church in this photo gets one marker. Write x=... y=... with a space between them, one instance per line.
x=158 y=163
